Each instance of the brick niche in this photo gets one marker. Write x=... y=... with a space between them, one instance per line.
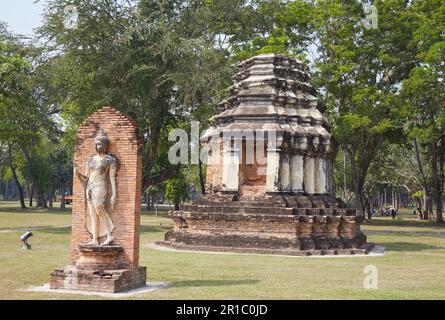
x=111 y=268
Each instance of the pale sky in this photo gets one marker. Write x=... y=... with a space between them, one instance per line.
x=22 y=16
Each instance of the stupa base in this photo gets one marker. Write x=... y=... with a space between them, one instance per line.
x=273 y=224
x=287 y=252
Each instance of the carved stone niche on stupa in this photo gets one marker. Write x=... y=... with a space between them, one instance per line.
x=269 y=172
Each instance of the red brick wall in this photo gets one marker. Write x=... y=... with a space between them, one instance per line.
x=126 y=145
x=252 y=176
x=214 y=171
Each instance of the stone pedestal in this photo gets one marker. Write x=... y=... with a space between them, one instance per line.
x=111 y=281
x=100 y=257
x=99 y=268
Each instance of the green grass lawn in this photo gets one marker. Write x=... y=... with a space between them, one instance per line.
x=412 y=267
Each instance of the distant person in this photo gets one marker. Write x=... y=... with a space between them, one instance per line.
x=393 y=213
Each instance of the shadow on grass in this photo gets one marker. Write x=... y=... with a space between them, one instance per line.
x=29 y=210
x=406 y=233
x=212 y=283
x=67 y=230
x=163 y=214
x=408 y=246
x=149 y=229
x=57 y=230
x=404 y=221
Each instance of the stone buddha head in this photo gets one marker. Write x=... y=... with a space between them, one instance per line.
x=101 y=142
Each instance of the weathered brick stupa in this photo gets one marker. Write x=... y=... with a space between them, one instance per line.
x=285 y=204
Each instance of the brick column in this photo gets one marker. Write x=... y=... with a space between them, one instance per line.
x=285 y=171
x=273 y=162
x=126 y=145
x=297 y=163
x=230 y=177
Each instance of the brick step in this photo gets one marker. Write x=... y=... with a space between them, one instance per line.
x=234 y=209
x=266 y=251
x=252 y=204
x=246 y=204
x=268 y=210
x=266 y=242
x=271 y=198
x=272 y=203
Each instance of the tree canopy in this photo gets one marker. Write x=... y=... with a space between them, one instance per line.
x=167 y=62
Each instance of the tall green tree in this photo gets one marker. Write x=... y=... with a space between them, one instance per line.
x=26 y=116
x=424 y=103
x=356 y=68
x=153 y=60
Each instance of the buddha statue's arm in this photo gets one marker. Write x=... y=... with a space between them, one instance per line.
x=82 y=178
x=112 y=173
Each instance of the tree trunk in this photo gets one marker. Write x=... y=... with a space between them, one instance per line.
x=368 y=208
x=430 y=208
x=6 y=190
x=441 y=181
x=41 y=202
x=358 y=187
x=16 y=179
x=50 y=200
x=35 y=183
x=62 y=197
x=436 y=182
x=201 y=178
x=381 y=196
x=345 y=167
x=418 y=202
x=19 y=187
x=31 y=195
x=426 y=205
x=361 y=202
x=13 y=189
x=426 y=188
x=393 y=203
x=62 y=201
x=395 y=199
x=147 y=201
x=384 y=197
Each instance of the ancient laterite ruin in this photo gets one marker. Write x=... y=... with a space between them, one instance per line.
x=284 y=204
x=106 y=207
